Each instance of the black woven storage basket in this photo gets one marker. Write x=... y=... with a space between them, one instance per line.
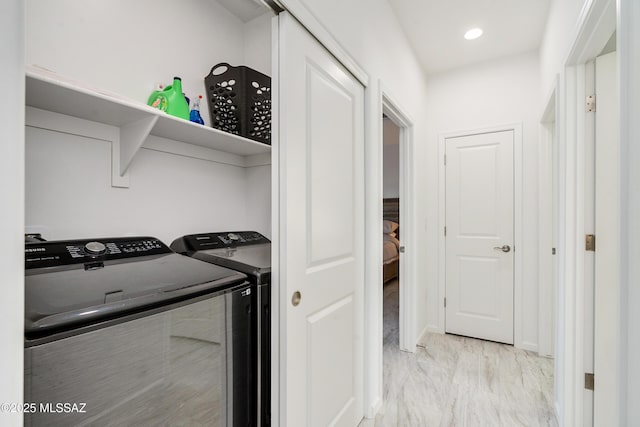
x=240 y=101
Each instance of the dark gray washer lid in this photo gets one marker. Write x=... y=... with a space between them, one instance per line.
x=61 y=297
x=250 y=259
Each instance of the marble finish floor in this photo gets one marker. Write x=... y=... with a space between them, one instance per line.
x=457 y=381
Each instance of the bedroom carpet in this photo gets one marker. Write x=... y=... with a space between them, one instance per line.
x=459 y=381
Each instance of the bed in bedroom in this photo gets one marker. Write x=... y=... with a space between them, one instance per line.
x=390 y=238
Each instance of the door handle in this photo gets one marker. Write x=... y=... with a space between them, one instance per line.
x=295 y=299
x=503 y=248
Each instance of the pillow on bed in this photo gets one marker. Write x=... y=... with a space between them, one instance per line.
x=390 y=238
x=389 y=226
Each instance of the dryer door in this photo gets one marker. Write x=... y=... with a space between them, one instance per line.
x=183 y=366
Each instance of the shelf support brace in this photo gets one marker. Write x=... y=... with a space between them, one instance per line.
x=117 y=180
x=132 y=136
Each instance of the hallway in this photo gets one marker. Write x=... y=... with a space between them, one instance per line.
x=459 y=381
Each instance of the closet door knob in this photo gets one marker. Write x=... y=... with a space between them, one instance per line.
x=295 y=299
x=503 y=248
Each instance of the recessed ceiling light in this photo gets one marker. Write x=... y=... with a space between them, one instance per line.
x=473 y=34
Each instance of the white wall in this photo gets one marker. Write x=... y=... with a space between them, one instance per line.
x=492 y=93
x=257 y=44
x=258 y=55
x=69 y=193
x=12 y=211
x=391 y=159
x=125 y=47
x=258 y=199
x=559 y=35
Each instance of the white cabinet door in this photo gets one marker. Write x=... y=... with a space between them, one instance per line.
x=479 y=242
x=321 y=233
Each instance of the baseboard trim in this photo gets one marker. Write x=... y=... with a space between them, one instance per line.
x=528 y=346
x=373 y=409
x=434 y=329
x=422 y=334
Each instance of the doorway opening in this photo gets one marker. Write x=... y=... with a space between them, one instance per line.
x=374 y=328
x=551 y=252
x=391 y=234
x=548 y=225
x=397 y=221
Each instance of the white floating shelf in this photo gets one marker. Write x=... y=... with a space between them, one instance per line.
x=136 y=120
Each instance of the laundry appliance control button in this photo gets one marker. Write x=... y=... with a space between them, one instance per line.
x=95 y=248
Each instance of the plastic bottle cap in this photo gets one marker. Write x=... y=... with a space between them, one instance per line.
x=177 y=78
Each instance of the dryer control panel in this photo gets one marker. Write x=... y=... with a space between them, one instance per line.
x=67 y=252
x=199 y=242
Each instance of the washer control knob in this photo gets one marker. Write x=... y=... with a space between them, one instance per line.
x=233 y=236
x=95 y=248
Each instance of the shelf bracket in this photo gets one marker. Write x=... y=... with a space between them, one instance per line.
x=132 y=136
x=117 y=180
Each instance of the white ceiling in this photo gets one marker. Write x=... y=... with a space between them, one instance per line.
x=436 y=28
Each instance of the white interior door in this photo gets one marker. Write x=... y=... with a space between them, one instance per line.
x=479 y=235
x=321 y=231
x=607 y=255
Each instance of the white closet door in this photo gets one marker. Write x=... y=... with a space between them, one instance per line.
x=321 y=233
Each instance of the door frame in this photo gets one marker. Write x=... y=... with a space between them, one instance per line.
x=12 y=174
x=548 y=218
x=628 y=40
x=596 y=23
x=379 y=100
x=299 y=10
x=518 y=230
x=605 y=268
x=406 y=270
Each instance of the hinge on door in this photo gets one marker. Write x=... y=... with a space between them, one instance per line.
x=590 y=104
x=445 y=230
x=445 y=160
x=445 y=302
x=553 y=251
x=590 y=243
x=588 y=381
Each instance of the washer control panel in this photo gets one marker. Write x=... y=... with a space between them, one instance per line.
x=95 y=248
x=57 y=253
x=198 y=242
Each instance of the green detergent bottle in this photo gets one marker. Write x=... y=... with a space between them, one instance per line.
x=155 y=101
x=171 y=100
